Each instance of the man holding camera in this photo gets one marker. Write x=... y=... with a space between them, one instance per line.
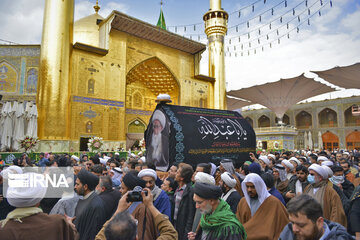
x=122 y=226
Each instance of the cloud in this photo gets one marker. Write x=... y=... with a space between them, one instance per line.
x=20 y=25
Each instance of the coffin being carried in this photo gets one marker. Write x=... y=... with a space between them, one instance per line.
x=197 y=135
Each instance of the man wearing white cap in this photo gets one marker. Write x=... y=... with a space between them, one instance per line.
x=161 y=199
x=262 y=214
x=265 y=163
x=325 y=194
x=158 y=147
x=289 y=167
x=24 y=221
x=230 y=195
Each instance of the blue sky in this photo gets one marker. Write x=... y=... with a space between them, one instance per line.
x=330 y=40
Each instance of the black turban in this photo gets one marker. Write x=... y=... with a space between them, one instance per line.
x=207 y=191
x=131 y=181
x=88 y=178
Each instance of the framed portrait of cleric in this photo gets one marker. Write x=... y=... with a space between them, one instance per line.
x=157 y=140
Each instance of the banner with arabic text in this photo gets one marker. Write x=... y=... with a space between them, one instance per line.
x=197 y=135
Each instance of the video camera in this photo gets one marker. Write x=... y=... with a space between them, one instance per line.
x=135 y=195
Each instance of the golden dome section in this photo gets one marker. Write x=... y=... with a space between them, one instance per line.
x=155 y=76
x=86 y=30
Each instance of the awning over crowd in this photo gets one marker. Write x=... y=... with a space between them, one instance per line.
x=236 y=103
x=281 y=95
x=345 y=77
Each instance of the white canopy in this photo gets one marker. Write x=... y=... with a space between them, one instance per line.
x=320 y=140
x=281 y=95
x=345 y=77
x=310 y=140
x=236 y=103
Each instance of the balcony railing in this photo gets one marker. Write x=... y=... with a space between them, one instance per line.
x=275 y=129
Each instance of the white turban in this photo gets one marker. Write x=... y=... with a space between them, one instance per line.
x=288 y=164
x=103 y=160
x=346 y=153
x=133 y=155
x=265 y=160
x=159 y=115
x=272 y=156
x=327 y=163
x=75 y=157
x=147 y=172
x=12 y=169
x=27 y=196
x=143 y=159
x=319 y=170
x=328 y=170
x=296 y=160
x=322 y=158
x=202 y=177
x=228 y=179
x=117 y=153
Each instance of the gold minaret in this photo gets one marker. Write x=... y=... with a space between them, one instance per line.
x=215 y=28
x=54 y=85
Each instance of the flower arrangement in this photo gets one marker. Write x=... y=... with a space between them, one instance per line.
x=142 y=144
x=95 y=144
x=29 y=143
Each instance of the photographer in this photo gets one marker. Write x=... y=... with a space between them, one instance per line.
x=123 y=226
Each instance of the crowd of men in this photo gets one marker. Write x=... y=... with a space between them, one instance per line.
x=288 y=195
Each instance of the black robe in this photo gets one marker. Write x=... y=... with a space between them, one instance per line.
x=233 y=201
x=111 y=199
x=90 y=216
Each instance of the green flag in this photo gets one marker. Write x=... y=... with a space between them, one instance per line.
x=161 y=22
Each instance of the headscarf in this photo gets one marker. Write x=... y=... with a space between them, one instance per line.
x=228 y=165
x=202 y=177
x=260 y=187
x=282 y=172
x=213 y=169
x=228 y=179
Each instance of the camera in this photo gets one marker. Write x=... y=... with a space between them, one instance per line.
x=135 y=195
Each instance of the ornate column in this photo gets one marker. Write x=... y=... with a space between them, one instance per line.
x=215 y=28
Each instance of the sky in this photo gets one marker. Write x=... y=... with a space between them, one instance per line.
x=332 y=39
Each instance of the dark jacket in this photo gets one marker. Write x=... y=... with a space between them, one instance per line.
x=278 y=195
x=233 y=201
x=344 y=200
x=186 y=212
x=354 y=213
x=348 y=188
x=111 y=199
x=337 y=232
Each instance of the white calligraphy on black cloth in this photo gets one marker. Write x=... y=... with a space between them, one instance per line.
x=220 y=127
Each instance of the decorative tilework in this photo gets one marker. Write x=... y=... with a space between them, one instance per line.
x=138 y=112
x=22 y=75
x=20 y=52
x=98 y=101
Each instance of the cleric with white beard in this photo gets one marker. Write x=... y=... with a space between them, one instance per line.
x=158 y=151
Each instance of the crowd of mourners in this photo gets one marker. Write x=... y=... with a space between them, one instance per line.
x=278 y=195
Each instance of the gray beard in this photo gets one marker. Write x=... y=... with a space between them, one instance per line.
x=156 y=145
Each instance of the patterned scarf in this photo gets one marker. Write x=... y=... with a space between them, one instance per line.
x=221 y=223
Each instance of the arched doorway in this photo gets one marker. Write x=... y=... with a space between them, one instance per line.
x=264 y=121
x=146 y=81
x=328 y=118
x=350 y=119
x=330 y=141
x=353 y=140
x=135 y=132
x=303 y=120
x=285 y=119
